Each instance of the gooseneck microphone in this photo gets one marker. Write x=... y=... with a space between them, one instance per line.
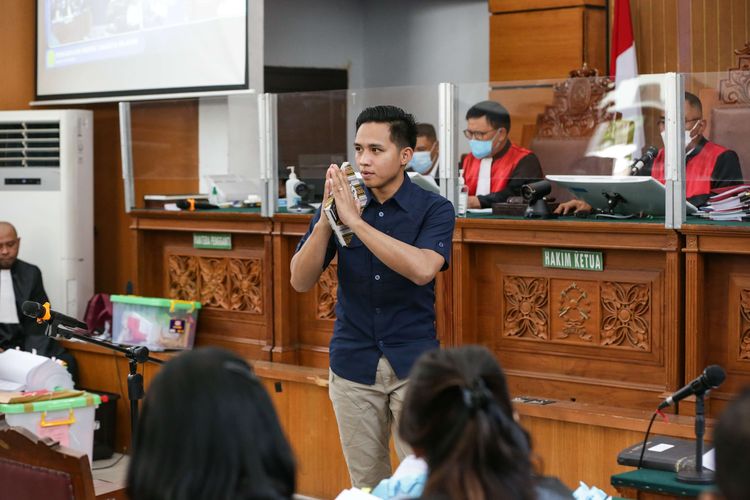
x=645 y=160
x=713 y=376
x=42 y=313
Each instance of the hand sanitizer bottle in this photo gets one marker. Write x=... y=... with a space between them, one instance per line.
x=292 y=198
x=463 y=194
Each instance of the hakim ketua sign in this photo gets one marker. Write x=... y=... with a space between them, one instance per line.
x=581 y=260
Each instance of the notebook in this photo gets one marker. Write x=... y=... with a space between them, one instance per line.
x=662 y=453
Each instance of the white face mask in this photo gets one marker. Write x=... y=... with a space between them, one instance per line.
x=688 y=137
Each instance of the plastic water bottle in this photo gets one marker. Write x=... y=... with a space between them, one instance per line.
x=463 y=194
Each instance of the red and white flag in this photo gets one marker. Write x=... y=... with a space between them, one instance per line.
x=624 y=66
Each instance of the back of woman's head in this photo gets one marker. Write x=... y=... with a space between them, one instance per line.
x=208 y=430
x=458 y=414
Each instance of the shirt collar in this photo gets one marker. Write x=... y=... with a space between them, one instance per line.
x=402 y=196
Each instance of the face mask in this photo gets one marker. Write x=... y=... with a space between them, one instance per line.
x=688 y=138
x=482 y=149
x=421 y=162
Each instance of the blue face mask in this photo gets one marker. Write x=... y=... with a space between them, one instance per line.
x=482 y=149
x=421 y=162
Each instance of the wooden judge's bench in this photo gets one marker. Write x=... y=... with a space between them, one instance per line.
x=604 y=345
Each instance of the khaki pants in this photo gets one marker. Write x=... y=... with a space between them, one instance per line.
x=366 y=414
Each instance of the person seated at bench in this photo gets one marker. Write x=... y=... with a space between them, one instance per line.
x=457 y=415
x=496 y=168
x=708 y=166
x=208 y=430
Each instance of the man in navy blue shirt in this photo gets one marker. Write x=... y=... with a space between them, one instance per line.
x=385 y=310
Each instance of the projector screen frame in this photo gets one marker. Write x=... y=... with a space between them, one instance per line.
x=141 y=94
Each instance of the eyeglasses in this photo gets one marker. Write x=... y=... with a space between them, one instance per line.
x=480 y=136
x=661 y=121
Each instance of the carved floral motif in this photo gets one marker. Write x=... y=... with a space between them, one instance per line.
x=576 y=111
x=736 y=88
x=327 y=285
x=745 y=324
x=183 y=277
x=246 y=292
x=227 y=283
x=625 y=318
x=525 y=307
x=214 y=289
x=575 y=309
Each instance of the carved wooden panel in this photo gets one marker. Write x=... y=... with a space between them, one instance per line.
x=574 y=310
x=576 y=111
x=246 y=290
x=626 y=315
x=326 y=296
x=526 y=313
x=736 y=88
x=744 y=324
x=564 y=311
x=232 y=284
x=183 y=277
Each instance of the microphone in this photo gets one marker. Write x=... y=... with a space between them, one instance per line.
x=43 y=313
x=647 y=159
x=712 y=377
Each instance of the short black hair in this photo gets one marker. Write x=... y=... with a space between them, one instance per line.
x=731 y=440
x=402 y=125
x=426 y=130
x=495 y=112
x=694 y=102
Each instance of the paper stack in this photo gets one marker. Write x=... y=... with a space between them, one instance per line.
x=730 y=204
x=24 y=371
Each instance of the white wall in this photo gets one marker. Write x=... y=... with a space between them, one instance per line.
x=383 y=43
x=422 y=42
x=316 y=34
x=228 y=126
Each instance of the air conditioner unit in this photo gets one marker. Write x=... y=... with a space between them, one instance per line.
x=46 y=192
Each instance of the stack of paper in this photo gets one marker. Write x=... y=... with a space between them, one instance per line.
x=24 y=371
x=731 y=203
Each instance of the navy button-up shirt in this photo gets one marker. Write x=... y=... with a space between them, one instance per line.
x=378 y=311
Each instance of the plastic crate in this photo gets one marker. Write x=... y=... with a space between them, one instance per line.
x=156 y=323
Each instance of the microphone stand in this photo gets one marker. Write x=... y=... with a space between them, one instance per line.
x=135 y=355
x=698 y=474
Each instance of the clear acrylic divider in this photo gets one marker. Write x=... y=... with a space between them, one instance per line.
x=317 y=129
x=716 y=132
x=185 y=147
x=585 y=132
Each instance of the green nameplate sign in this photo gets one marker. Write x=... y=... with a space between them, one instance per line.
x=581 y=260
x=213 y=241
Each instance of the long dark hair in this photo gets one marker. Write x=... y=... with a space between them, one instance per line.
x=208 y=430
x=457 y=412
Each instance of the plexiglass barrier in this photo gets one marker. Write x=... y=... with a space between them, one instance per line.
x=717 y=145
x=317 y=129
x=186 y=147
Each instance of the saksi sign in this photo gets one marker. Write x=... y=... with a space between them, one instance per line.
x=581 y=260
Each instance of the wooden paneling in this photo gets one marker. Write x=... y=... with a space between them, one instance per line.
x=17 y=54
x=234 y=286
x=563 y=39
x=573 y=335
x=716 y=28
x=717 y=289
x=575 y=441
